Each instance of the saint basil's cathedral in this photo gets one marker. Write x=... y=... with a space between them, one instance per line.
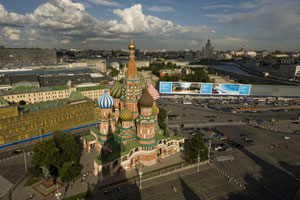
x=129 y=133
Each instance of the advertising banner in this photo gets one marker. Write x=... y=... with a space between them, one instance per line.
x=203 y=88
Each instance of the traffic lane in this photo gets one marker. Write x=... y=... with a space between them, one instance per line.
x=186 y=114
x=264 y=115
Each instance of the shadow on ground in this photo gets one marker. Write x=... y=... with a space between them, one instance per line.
x=274 y=183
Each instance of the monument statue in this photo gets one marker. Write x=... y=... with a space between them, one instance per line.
x=46 y=172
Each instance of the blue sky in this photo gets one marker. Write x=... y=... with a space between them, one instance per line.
x=154 y=24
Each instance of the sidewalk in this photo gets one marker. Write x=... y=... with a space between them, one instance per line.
x=86 y=160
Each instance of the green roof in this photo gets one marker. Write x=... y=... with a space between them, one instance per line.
x=60 y=87
x=3 y=102
x=161 y=136
x=97 y=87
x=24 y=88
x=75 y=96
x=89 y=137
x=131 y=144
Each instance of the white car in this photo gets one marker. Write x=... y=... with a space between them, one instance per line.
x=286 y=137
x=217 y=148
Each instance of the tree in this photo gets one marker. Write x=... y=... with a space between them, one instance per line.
x=69 y=151
x=46 y=154
x=178 y=133
x=69 y=171
x=55 y=152
x=161 y=118
x=114 y=72
x=195 y=146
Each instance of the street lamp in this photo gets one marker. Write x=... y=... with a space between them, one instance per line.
x=25 y=163
x=57 y=192
x=209 y=146
x=140 y=173
x=199 y=159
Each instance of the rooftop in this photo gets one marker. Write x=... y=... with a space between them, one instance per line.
x=32 y=89
x=97 y=87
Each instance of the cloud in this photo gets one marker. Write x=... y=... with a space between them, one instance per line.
x=161 y=8
x=213 y=7
x=67 y=24
x=11 y=19
x=105 y=3
x=11 y=33
x=284 y=24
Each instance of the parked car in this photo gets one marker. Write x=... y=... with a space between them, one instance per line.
x=248 y=140
x=243 y=135
x=16 y=152
x=286 y=137
x=217 y=148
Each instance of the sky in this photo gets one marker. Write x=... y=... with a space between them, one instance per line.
x=153 y=24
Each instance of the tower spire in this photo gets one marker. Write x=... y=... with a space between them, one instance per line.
x=132 y=72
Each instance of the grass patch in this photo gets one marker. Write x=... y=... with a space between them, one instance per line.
x=32 y=180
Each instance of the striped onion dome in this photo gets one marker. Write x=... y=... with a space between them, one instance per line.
x=153 y=92
x=146 y=99
x=116 y=91
x=155 y=110
x=106 y=101
x=126 y=114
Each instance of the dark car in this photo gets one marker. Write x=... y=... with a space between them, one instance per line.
x=243 y=135
x=16 y=152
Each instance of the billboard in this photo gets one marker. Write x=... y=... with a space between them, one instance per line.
x=203 y=88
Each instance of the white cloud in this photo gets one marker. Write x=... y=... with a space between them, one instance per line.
x=274 y=19
x=63 y=22
x=105 y=3
x=161 y=8
x=11 y=33
x=10 y=19
x=213 y=7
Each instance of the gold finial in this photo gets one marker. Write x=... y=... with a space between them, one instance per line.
x=131 y=46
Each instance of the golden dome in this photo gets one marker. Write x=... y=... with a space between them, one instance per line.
x=126 y=114
x=155 y=110
x=131 y=46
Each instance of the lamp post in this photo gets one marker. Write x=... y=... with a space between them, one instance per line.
x=199 y=159
x=209 y=146
x=25 y=163
x=57 y=192
x=140 y=173
x=167 y=119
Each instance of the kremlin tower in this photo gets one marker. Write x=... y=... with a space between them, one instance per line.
x=131 y=91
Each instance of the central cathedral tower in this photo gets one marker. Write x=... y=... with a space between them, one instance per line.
x=131 y=90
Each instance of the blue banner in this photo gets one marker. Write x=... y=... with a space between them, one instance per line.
x=165 y=87
x=203 y=88
x=206 y=88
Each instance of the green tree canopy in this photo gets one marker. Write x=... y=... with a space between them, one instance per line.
x=195 y=146
x=55 y=152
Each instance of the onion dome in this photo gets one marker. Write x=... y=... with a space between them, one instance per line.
x=131 y=46
x=153 y=92
x=155 y=110
x=106 y=101
x=116 y=91
x=146 y=99
x=126 y=114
